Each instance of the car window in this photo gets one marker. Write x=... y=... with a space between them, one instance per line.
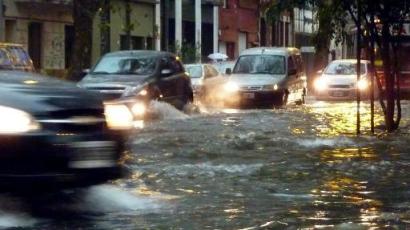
x=5 y=60
x=344 y=68
x=260 y=64
x=20 y=57
x=125 y=65
x=299 y=63
x=291 y=63
x=194 y=71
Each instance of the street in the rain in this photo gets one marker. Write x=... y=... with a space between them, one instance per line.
x=295 y=167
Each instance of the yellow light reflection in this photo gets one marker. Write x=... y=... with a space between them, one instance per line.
x=340 y=118
x=345 y=190
x=30 y=82
x=348 y=153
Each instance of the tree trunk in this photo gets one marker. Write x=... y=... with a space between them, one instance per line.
x=389 y=79
x=105 y=27
x=83 y=15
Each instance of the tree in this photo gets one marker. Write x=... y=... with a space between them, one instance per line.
x=333 y=17
x=84 y=12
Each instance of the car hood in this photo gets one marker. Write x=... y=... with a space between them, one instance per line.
x=39 y=94
x=340 y=79
x=255 y=79
x=92 y=80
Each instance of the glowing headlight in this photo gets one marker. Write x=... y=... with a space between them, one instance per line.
x=14 y=121
x=362 y=84
x=143 y=92
x=320 y=84
x=138 y=109
x=118 y=116
x=231 y=87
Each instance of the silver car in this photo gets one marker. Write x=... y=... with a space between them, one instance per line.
x=266 y=76
x=338 y=81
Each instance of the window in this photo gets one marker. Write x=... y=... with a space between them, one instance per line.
x=260 y=64
x=291 y=63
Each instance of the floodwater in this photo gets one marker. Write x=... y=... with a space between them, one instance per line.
x=299 y=167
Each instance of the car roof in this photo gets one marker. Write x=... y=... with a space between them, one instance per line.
x=139 y=53
x=285 y=51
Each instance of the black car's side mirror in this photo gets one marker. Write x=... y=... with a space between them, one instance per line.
x=228 y=71
x=292 y=72
x=166 y=72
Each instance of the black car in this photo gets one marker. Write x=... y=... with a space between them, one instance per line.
x=56 y=135
x=141 y=74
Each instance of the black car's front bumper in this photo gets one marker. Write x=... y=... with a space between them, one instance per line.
x=59 y=160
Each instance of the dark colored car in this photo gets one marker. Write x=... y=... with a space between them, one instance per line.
x=144 y=75
x=56 y=135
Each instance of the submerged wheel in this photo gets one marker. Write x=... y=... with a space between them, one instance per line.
x=281 y=99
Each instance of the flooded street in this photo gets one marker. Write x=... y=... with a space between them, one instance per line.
x=301 y=167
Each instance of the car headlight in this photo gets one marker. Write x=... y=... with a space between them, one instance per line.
x=320 y=84
x=138 y=109
x=231 y=87
x=362 y=84
x=118 y=116
x=13 y=121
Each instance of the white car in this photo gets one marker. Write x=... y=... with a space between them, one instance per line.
x=338 y=81
x=266 y=76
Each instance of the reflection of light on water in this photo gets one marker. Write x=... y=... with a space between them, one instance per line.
x=297 y=131
x=340 y=118
x=347 y=153
x=230 y=111
x=345 y=190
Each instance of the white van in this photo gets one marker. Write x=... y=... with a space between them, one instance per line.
x=268 y=76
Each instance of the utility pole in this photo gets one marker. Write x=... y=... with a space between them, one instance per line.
x=2 y=23
x=358 y=57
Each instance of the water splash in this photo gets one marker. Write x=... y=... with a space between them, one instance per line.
x=209 y=169
x=108 y=198
x=325 y=142
x=164 y=111
x=16 y=220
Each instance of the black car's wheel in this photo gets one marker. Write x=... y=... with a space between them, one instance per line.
x=281 y=99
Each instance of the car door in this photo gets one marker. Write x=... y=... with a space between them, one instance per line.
x=171 y=80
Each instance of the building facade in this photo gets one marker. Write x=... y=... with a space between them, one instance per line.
x=239 y=26
x=49 y=36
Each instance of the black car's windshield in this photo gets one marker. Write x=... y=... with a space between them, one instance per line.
x=194 y=71
x=125 y=65
x=260 y=64
x=344 y=68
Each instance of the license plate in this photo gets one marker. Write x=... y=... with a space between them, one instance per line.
x=92 y=154
x=338 y=94
x=249 y=95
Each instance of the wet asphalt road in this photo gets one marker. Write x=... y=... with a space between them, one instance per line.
x=299 y=167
